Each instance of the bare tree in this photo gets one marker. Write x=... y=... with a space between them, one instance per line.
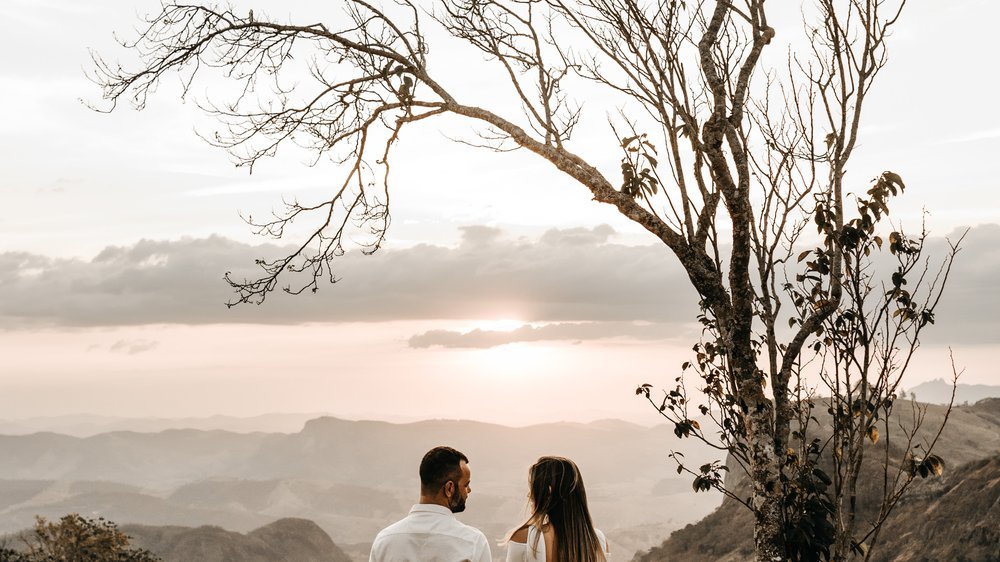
x=726 y=161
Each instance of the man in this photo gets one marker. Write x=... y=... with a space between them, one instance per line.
x=430 y=533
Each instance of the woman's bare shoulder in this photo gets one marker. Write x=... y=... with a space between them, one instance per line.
x=520 y=535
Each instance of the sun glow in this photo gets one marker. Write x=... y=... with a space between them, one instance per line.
x=508 y=358
x=498 y=325
x=515 y=359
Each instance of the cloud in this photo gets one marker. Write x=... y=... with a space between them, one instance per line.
x=572 y=331
x=133 y=347
x=572 y=284
x=574 y=275
x=989 y=134
x=279 y=185
x=579 y=236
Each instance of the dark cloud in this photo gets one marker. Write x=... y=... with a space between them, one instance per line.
x=565 y=278
x=572 y=331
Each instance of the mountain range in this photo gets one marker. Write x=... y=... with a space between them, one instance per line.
x=300 y=540
x=350 y=477
x=87 y=425
x=337 y=482
x=938 y=391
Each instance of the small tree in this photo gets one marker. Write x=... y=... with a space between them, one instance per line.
x=725 y=160
x=75 y=539
x=8 y=554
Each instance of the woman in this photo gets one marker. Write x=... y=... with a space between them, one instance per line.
x=559 y=528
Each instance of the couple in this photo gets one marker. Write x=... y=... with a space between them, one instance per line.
x=558 y=530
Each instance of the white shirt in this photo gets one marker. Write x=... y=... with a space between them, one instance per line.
x=522 y=552
x=430 y=533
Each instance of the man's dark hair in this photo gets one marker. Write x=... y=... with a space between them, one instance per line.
x=438 y=466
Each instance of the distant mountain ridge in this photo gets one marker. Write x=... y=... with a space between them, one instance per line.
x=288 y=539
x=350 y=477
x=938 y=391
x=88 y=425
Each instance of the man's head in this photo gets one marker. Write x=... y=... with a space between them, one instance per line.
x=445 y=478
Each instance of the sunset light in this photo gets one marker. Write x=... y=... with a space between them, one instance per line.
x=498 y=325
x=270 y=272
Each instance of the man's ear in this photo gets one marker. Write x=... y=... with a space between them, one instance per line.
x=449 y=488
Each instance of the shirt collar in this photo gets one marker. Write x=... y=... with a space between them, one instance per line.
x=431 y=508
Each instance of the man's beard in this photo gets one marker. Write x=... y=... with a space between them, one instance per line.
x=457 y=503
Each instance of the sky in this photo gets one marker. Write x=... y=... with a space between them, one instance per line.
x=503 y=294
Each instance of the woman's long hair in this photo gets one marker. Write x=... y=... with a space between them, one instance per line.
x=559 y=499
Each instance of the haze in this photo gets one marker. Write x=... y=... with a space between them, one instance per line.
x=504 y=294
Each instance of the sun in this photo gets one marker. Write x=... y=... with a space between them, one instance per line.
x=516 y=358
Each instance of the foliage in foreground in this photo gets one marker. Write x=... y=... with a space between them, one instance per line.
x=73 y=538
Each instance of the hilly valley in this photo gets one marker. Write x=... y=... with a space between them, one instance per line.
x=350 y=477
x=952 y=518
x=324 y=491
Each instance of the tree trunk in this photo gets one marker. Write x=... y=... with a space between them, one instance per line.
x=764 y=463
x=768 y=528
x=737 y=334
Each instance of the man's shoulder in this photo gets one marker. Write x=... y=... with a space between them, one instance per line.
x=450 y=526
x=398 y=526
x=458 y=529
x=478 y=533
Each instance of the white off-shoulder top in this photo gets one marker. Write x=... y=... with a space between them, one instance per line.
x=522 y=552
